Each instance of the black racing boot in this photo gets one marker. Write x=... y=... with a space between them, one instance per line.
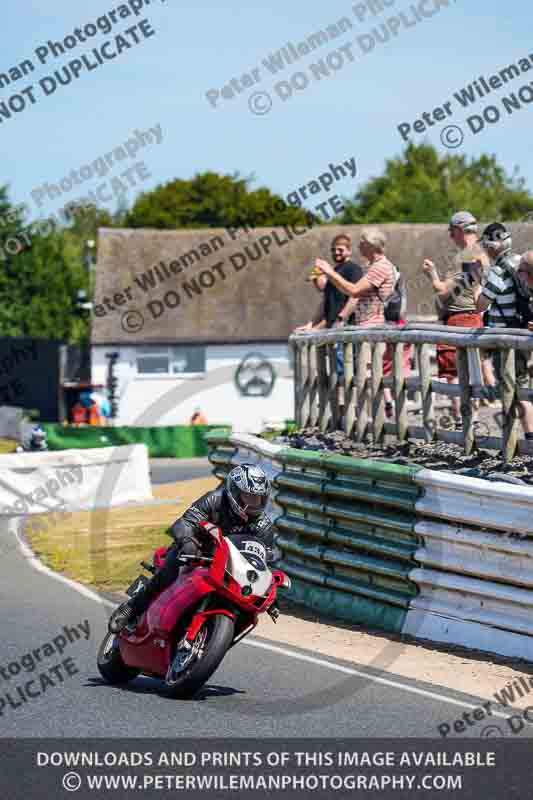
x=128 y=614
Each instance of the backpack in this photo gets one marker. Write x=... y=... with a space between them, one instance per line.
x=395 y=305
x=524 y=299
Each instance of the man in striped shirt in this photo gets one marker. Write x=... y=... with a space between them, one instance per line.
x=498 y=296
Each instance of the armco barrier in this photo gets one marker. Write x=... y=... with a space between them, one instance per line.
x=35 y=483
x=476 y=564
x=409 y=550
x=173 y=441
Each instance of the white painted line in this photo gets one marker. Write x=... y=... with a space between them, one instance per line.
x=78 y=587
x=372 y=678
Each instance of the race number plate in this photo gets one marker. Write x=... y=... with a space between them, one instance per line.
x=256 y=548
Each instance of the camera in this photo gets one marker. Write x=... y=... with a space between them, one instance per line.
x=472 y=272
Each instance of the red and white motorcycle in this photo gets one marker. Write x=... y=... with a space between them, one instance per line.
x=188 y=629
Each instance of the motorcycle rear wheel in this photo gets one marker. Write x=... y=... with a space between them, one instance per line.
x=189 y=671
x=110 y=664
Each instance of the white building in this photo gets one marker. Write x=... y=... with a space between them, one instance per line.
x=164 y=384
x=199 y=320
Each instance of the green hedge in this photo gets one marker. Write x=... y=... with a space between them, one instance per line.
x=174 y=441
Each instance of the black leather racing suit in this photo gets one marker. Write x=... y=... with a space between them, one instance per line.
x=190 y=539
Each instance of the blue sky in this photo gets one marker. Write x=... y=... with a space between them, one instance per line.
x=199 y=48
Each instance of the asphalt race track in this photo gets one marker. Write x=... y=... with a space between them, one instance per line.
x=170 y=470
x=260 y=690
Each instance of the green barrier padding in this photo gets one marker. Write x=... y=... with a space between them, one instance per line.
x=219 y=436
x=365 y=490
x=346 y=532
x=364 y=541
x=173 y=441
x=354 y=512
x=221 y=458
x=348 y=607
x=367 y=468
x=367 y=567
x=345 y=583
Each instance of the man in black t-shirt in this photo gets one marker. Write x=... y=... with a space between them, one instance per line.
x=337 y=308
x=336 y=305
x=335 y=301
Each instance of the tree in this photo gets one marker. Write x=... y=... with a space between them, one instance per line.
x=421 y=186
x=42 y=268
x=210 y=200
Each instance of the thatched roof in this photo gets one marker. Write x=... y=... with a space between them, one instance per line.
x=220 y=294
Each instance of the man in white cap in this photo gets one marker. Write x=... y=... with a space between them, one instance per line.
x=454 y=297
x=463 y=230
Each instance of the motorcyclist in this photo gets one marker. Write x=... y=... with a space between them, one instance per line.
x=237 y=507
x=38 y=440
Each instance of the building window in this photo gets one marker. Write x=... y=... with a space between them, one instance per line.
x=170 y=360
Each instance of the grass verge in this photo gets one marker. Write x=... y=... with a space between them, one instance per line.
x=103 y=548
x=8 y=446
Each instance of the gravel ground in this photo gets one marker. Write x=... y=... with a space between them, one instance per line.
x=443 y=456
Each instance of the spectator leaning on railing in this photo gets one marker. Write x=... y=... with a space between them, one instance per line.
x=372 y=247
x=463 y=230
x=334 y=306
x=369 y=294
x=456 y=300
x=335 y=310
x=498 y=296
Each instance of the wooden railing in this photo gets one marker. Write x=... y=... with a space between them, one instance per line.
x=316 y=383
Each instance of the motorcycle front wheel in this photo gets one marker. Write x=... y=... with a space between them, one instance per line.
x=192 y=666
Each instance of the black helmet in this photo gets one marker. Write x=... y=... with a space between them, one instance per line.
x=248 y=490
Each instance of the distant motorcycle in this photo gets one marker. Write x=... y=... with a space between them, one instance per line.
x=188 y=629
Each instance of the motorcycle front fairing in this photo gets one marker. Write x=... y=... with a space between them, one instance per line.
x=241 y=585
x=150 y=646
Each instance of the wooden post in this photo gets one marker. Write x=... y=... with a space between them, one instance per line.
x=314 y=411
x=509 y=404
x=324 y=413
x=424 y=368
x=349 y=390
x=361 y=393
x=333 y=380
x=363 y=356
x=378 y=394
x=466 y=400
x=400 y=393
x=305 y=387
x=298 y=387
